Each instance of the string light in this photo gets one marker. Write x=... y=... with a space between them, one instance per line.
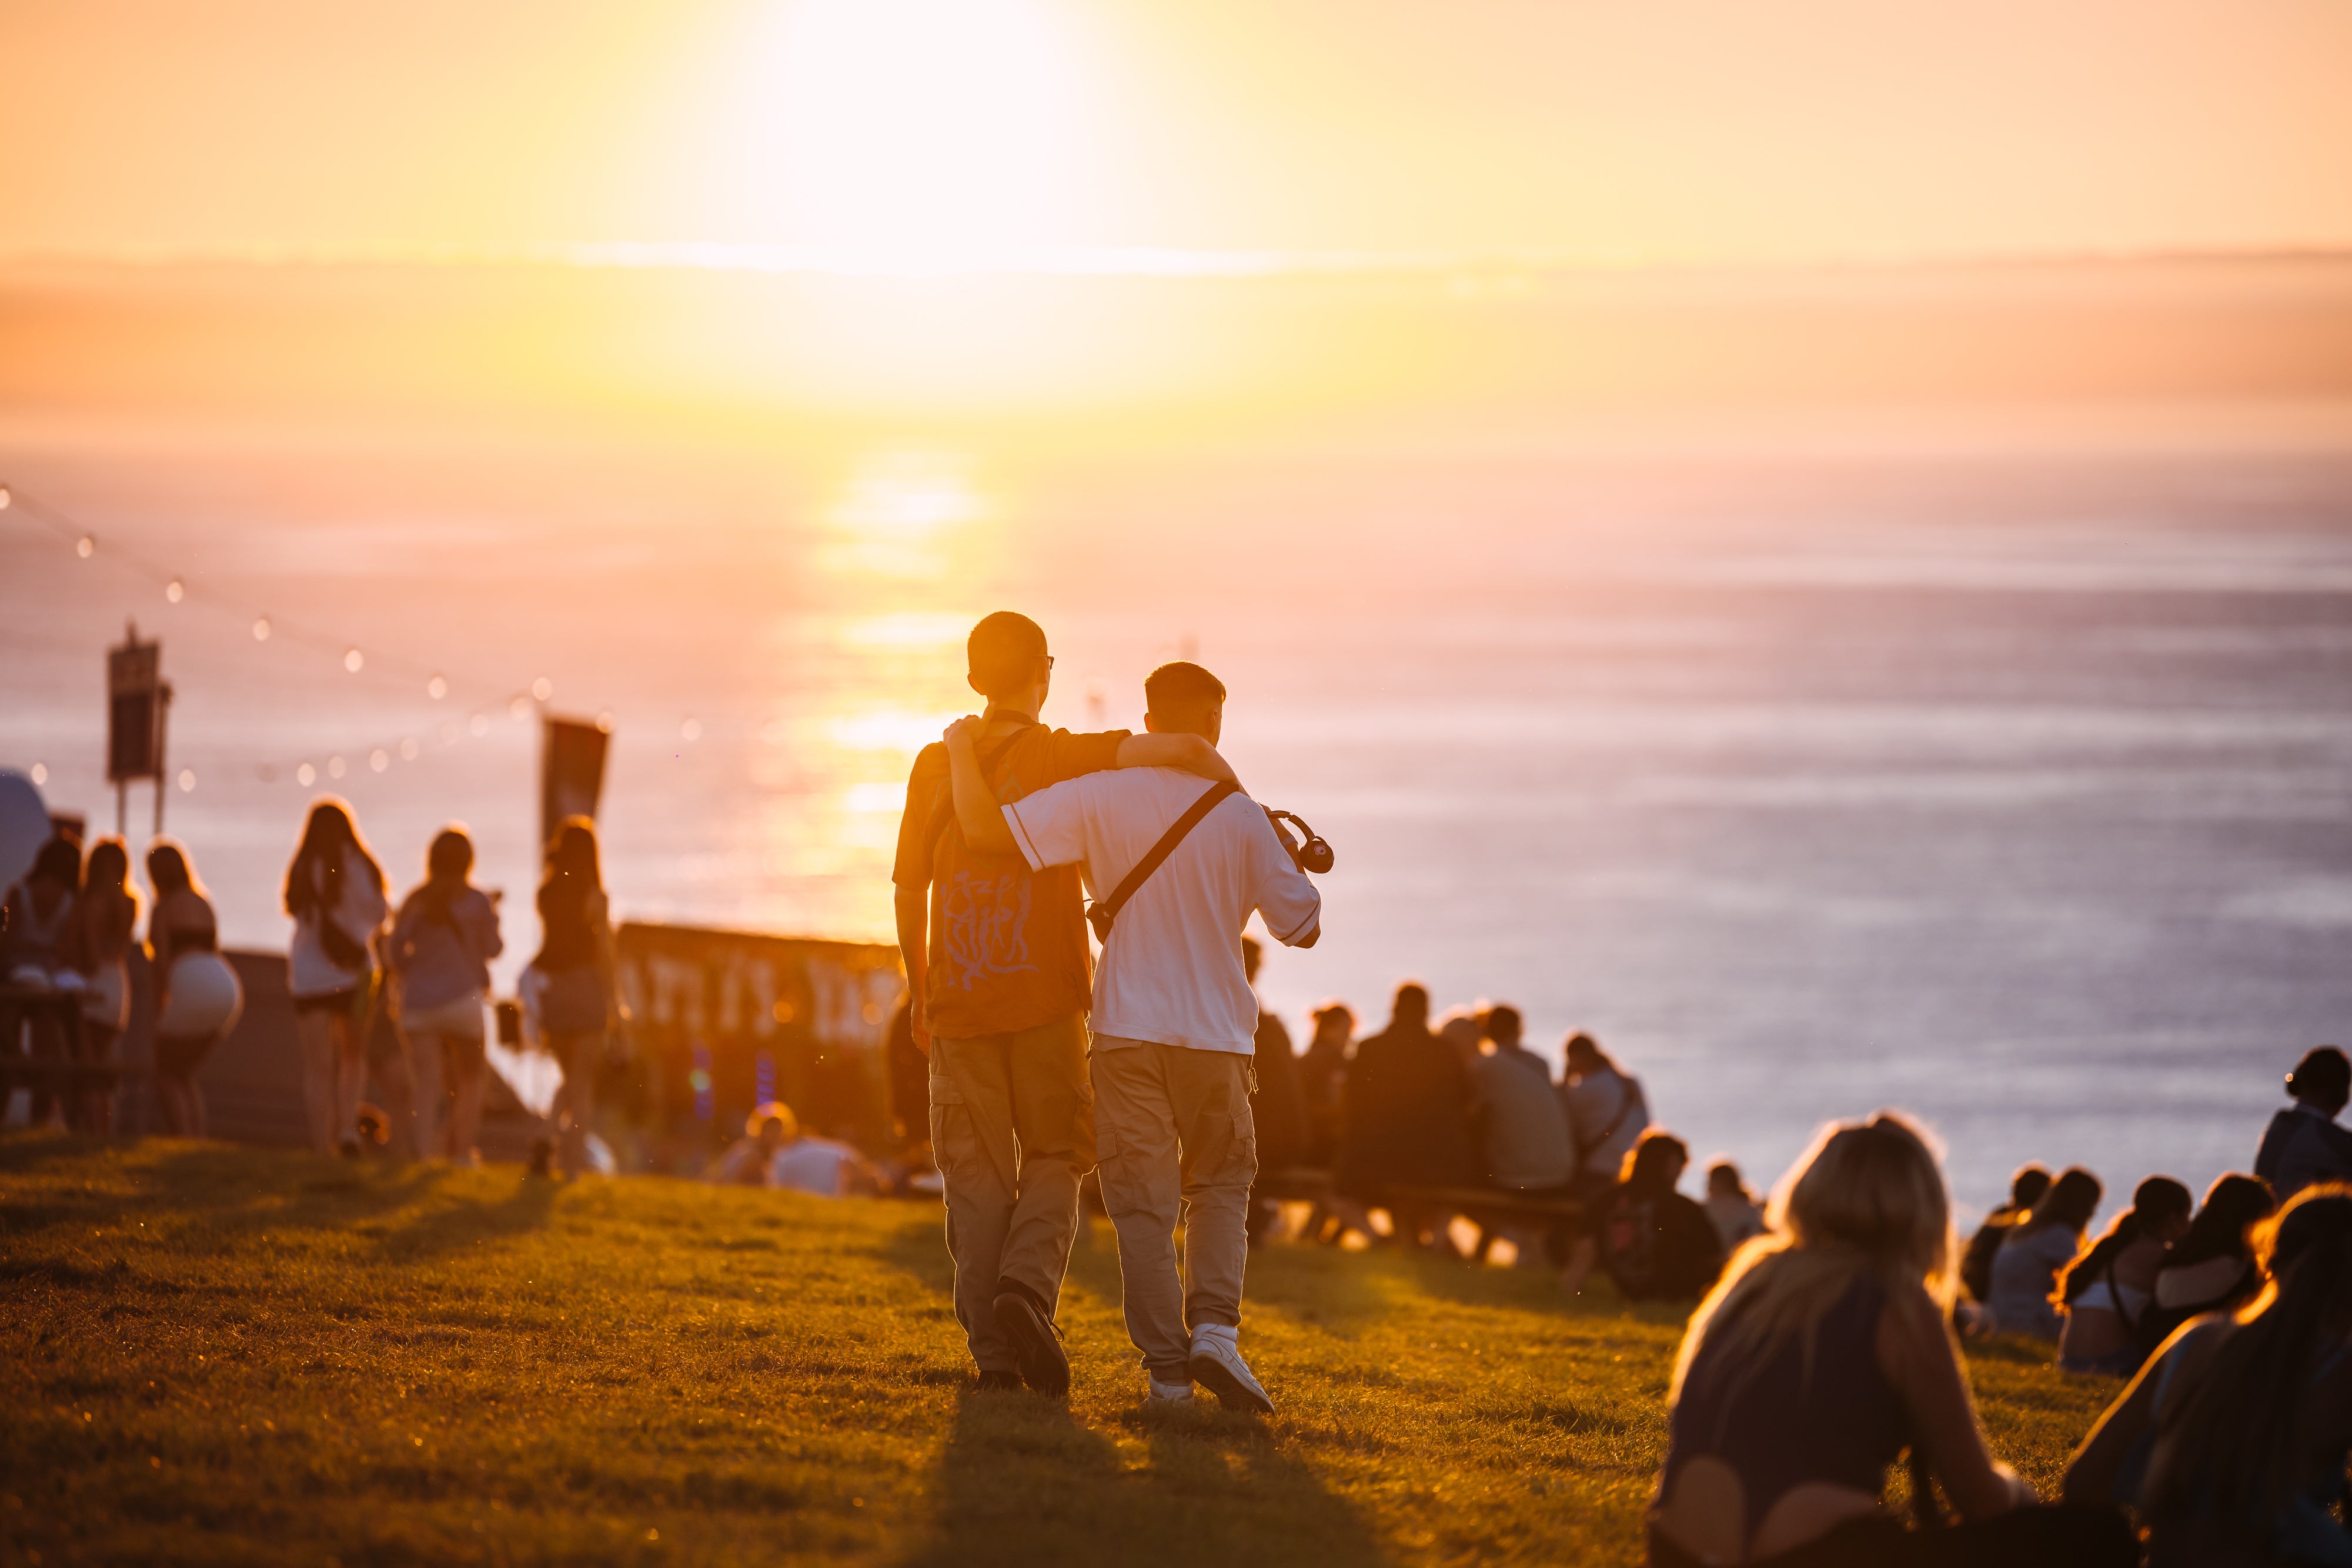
x=264 y=628
x=691 y=729
x=40 y=769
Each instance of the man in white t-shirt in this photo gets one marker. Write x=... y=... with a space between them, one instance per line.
x=1173 y=1023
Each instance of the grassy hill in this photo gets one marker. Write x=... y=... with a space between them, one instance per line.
x=217 y=1354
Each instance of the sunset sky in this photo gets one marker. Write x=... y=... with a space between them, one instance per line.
x=908 y=132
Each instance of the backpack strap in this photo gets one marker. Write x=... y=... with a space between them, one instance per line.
x=1103 y=911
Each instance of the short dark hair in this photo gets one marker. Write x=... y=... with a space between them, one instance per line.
x=2323 y=1075
x=1002 y=650
x=1411 y=1000
x=1503 y=1022
x=2026 y=1188
x=1174 y=691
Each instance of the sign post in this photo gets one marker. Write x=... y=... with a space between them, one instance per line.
x=137 y=699
x=570 y=772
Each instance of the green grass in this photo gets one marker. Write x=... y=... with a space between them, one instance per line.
x=230 y=1355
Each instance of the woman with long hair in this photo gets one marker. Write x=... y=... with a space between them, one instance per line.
x=577 y=992
x=2211 y=1268
x=2233 y=1440
x=108 y=916
x=197 y=994
x=439 y=954
x=1818 y=1359
x=37 y=950
x=2025 y=1270
x=334 y=891
x=2107 y=1293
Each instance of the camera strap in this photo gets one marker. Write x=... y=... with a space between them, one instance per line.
x=1103 y=911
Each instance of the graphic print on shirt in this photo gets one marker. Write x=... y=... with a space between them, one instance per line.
x=983 y=929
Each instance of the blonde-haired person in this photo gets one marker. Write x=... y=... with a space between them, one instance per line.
x=1818 y=1359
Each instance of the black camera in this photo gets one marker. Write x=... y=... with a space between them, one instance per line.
x=1314 y=855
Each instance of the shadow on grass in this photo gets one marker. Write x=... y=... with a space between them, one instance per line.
x=1023 y=1481
x=233 y=1193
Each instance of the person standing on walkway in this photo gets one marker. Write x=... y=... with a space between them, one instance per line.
x=197 y=994
x=439 y=954
x=1174 y=1020
x=334 y=891
x=577 y=980
x=998 y=973
x=105 y=920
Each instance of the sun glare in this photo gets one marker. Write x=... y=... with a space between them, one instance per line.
x=923 y=135
x=899 y=514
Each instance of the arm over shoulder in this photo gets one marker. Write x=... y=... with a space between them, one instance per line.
x=1049 y=826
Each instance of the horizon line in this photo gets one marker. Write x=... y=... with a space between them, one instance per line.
x=1102 y=261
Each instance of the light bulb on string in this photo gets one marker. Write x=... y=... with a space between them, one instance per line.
x=436 y=688
x=691 y=729
x=306 y=774
x=175 y=591
x=353 y=659
x=519 y=708
x=334 y=767
x=604 y=722
x=261 y=630
x=379 y=759
x=85 y=547
x=40 y=772
x=408 y=749
x=187 y=781
x=542 y=688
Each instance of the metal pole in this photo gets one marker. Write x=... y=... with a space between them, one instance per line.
x=121 y=809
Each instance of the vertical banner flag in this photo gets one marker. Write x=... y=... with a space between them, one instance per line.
x=570 y=772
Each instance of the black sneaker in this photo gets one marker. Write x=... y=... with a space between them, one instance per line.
x=1045 y=1365
x=999 y=1381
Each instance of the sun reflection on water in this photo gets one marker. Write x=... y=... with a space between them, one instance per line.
x=903 y=515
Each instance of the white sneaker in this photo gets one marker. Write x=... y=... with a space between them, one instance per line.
x=1217 y=1362
x=1166 y=1394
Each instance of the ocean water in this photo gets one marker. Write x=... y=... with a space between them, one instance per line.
x=2008 y=782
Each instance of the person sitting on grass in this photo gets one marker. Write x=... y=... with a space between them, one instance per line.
x=1406 y=1121
x=2108 y=1291
x=2025 y=1189
x=750 y=1160
x=1174 y=1021
x=2303 y=1144
x=2211 y=1268
x=2025 y=1270
x=2231 y=1443
x=774 y=1153
x=1654 y=1243
x=1738 y=1218
x=1278 y=1105
x=1524 y=1130
x=1607 y=1114
x=1817 y=1360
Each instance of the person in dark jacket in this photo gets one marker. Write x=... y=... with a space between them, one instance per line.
x=1407 y=1120
x=2025 y=1189
x=1656 y=1244
x=2303 y=1144
x=1277 y=1106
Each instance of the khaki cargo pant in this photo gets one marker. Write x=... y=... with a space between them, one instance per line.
x=1012 y=1128
x=1173 y=1131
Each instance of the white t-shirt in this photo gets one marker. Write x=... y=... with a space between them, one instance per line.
x=1172 y=972
x=817 y=1166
